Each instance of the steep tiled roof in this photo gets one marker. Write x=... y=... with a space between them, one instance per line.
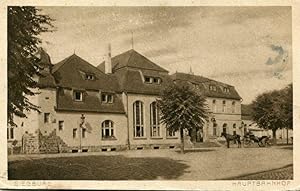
x=69 y=73
x=91 y=103
x=132 y=59
x=131 y=81
x=46 y=80
x=202 y=84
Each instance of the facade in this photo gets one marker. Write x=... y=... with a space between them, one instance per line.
x=223 y=101
x=113 y=106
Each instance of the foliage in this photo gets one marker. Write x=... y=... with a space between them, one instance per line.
x=274 y=110
x=25 y=24
x=287 y=106
x=182 y=108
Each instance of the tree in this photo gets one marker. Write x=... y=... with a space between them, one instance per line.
x=182 y=109
x=273 y=110
x=25 y=25
x=287 y=108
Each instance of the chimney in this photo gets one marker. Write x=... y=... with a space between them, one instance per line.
x=108 y=67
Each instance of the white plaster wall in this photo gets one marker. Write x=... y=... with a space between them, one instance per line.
x=147 y=139
x=31 y=122
x=47 y=102
x=94 y=137
x=227 y=117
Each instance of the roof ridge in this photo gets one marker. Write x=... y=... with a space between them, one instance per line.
x=63 y=62
x=208 y=79
x=131 y=52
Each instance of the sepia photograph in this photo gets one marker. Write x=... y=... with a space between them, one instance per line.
x=150 y=93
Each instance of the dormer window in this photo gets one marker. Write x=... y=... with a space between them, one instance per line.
x=106 y=98
x=212 y=88
x=78 y=95
x=89 y=77
x=154 y=80
x=148 y=80
x=226 y=90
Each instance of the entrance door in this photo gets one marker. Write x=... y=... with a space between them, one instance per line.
x=199 y=135
x=225 y=128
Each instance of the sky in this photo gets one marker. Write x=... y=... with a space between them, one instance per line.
x=247 y=47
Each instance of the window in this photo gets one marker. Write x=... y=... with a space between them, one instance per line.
x=74 y=133
x=234 y=129
x=10 y=133
x=60 y=125
x=46 y=117
x=107 y=129
x=234 y=125
x=214 y=106
x=83 y=132
x=148 y=80
x=233 y=107
x=138 y=119
x=89 y=77
x=170 y=133
x=77 y=96
x=224 y=106
x=107 y=98
x=151 y=80
x=154 y=120
x=212 y=88
x=226 y=90
x=156 y=80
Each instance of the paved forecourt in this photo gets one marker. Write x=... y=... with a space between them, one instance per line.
x=200 y=164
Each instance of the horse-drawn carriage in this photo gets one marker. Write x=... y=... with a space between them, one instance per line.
x=262 y=141
x=247 y=139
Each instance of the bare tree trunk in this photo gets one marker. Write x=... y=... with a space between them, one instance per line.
x=287 y=136
x=182 y=141
x=274 y=136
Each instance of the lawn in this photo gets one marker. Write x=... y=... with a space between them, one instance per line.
x=115 y=167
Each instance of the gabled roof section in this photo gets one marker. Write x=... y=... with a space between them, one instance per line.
x=132 y=59
x=131 y=81
x=203 y=83
x=70 y=73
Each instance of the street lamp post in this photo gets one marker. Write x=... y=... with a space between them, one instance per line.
x=80 y=130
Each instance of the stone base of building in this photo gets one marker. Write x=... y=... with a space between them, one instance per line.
x=109 y=148
x=154 y=146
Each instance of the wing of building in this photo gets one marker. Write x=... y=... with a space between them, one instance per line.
x=113 y=106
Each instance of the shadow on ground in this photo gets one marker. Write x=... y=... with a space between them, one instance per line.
x=96 y=168
x=196 y=151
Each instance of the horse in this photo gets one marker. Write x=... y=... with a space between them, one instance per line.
x=235 y=138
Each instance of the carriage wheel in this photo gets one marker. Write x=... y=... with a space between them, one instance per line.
x=268 y=143
x=261 y=144
x=247 y=142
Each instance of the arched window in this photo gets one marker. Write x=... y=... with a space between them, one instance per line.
x=234 y=128
x=214 y=106
x=225 y=127
x=154 y=120
x=107 y=129
x=233 y=107
x=138 y=119
x=224 y=106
